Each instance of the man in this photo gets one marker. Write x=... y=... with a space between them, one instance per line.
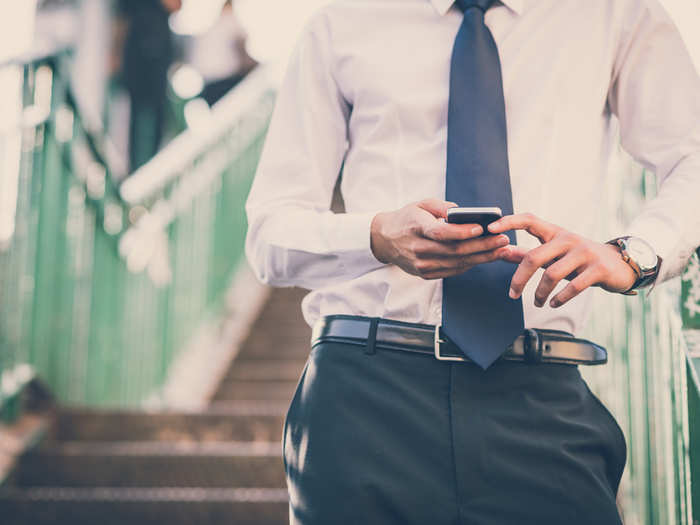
x=428 y=104
x=149 y=51
x=220 y=56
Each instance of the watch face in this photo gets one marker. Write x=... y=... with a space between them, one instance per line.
x=642 y=253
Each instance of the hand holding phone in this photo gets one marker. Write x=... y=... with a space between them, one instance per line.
x=419 y=240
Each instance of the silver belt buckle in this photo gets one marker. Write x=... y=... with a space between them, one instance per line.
x=438 y=343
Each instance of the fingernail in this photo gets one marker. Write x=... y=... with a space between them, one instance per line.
x=477 y=230
x=554 y=303
x=503 y=240
x=493 y=225
x=512 y=294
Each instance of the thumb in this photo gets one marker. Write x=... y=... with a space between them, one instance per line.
x=437 y=207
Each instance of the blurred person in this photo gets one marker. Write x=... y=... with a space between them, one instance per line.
x=148 y=52
x=442 y=385
x=220 y=55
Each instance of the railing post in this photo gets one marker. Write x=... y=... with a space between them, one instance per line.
x=690 y=313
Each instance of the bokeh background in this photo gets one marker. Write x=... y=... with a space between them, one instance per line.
x=144 y=372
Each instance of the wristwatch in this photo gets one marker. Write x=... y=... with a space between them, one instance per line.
x=641 y=257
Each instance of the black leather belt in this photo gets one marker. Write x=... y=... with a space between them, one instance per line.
x=533 y=346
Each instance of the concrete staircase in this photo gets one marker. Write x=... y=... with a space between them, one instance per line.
x=220 y=466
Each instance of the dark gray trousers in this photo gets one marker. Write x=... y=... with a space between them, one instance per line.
x=398 y=438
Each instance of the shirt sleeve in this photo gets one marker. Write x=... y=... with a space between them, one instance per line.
x=293 y=238
x=655 y=93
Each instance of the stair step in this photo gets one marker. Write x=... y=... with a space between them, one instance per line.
x=256 y=390
x=160 y=448
x=276 y=346
x=91 y=425
x=143 y=506
x=265 y=370
x=250 y=407
x=153 y=464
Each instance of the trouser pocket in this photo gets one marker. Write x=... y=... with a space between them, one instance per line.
x=290 y=414
x=618 y=444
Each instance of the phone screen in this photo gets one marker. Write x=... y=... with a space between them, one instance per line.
x=481 y=216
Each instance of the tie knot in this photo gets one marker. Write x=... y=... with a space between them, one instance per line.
x=484 y=5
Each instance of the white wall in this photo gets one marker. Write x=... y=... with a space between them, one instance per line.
x=273 y=25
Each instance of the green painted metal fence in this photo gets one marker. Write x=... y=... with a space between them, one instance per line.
x=690 y=308
x=647 y=383
x=100 y=286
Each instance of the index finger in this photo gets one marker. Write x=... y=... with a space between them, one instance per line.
x=532 y=224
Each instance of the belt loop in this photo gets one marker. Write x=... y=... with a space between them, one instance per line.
x=371 y=348
x=532 y=346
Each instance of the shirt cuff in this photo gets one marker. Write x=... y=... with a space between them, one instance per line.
x=354 y=235
x=665 y=239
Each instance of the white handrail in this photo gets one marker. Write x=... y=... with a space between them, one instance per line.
x=167 y=164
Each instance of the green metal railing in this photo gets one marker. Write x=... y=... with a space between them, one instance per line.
x=25 y=150
x=648 y=383
x=690 y=308
x=100 y=286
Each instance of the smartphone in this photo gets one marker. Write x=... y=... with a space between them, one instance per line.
x=481 y=216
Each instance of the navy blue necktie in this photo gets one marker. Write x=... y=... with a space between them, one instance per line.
x=477 y=313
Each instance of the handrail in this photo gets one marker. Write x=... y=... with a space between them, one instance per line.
x=94 y=327
x=32 y=115
x=15 y=373
x=98 y=142
x=161 y=190
x=42 y=51
x=166 y=165
x=646 y=382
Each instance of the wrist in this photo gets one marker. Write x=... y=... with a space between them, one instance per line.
x=377 y=240
x=627 y=275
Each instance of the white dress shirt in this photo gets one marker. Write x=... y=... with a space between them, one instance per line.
x=367 y=90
